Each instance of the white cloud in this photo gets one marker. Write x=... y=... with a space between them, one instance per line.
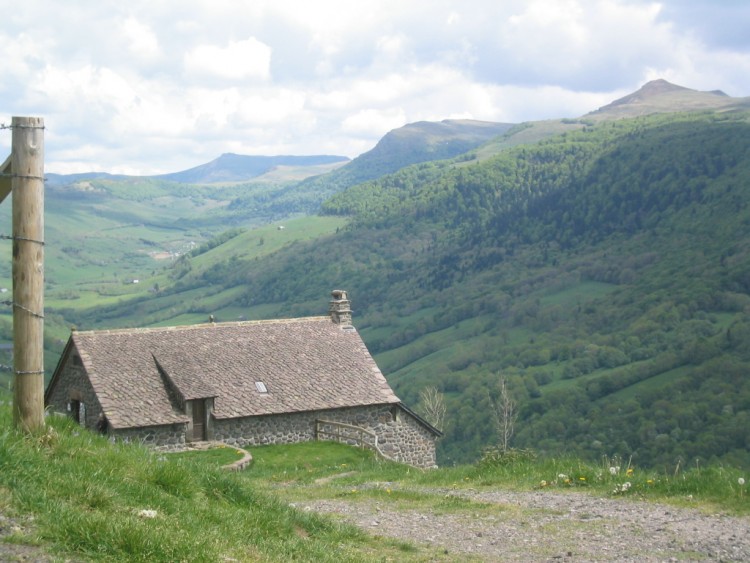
x=373 y=123
x=245 y=59
x=142 y=41
x=275 y=108
x=142 y=86
x=19 y=54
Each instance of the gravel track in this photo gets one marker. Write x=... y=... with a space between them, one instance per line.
x=551 y=526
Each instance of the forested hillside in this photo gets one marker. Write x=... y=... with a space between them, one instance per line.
x=603 y=272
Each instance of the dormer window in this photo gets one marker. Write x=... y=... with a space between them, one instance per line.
x=261 y=387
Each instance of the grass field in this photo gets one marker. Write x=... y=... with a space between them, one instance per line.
x=105 y=501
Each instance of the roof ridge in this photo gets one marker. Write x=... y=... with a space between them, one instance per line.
x=200 y=326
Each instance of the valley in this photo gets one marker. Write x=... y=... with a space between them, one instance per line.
x=600 y=265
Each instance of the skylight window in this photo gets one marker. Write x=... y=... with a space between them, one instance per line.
x=261 y=387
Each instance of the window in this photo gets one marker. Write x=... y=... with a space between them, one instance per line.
x=261 y=387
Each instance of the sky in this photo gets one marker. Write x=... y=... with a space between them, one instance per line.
x=157 y=86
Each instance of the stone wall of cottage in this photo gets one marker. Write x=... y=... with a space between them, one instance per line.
x=74 y=385
x=167 y=437
x=400 y=436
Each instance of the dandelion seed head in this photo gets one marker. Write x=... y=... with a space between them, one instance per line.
x=741 y=481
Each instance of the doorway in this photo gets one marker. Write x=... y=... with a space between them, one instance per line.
x=199 y=420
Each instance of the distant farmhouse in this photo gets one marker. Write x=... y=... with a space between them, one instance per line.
x=241 y=383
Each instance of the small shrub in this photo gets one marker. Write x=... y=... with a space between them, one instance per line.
x=496 y=457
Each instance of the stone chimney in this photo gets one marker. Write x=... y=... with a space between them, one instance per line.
x=340 y=308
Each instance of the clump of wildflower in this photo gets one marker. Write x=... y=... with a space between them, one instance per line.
x=614 y=470
x=741 y=481
x=147 y=513
x=623 y=488
x=629 y=472
x=543 y=483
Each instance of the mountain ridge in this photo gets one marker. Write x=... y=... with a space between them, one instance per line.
x=659 y=96
x=226 y=168
x=410 y=144
x=231 y=167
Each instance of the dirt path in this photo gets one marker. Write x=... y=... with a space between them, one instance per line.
x=17 y=552
x=550 y=526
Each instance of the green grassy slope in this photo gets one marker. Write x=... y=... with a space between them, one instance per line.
x=81 y=497
x=99 y=501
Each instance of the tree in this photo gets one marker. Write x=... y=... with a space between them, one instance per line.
x=432 y=403
x=504 y=413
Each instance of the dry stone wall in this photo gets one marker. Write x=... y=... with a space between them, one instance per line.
x=400 y=436
x=168 y=437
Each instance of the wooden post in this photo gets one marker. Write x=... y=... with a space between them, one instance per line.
x=27 y=165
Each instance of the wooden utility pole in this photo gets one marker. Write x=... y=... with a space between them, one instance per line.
x=27 y=178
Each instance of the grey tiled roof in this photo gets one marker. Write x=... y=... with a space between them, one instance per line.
x=306 y=364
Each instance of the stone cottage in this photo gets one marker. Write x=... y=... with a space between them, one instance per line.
x=242 y=383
